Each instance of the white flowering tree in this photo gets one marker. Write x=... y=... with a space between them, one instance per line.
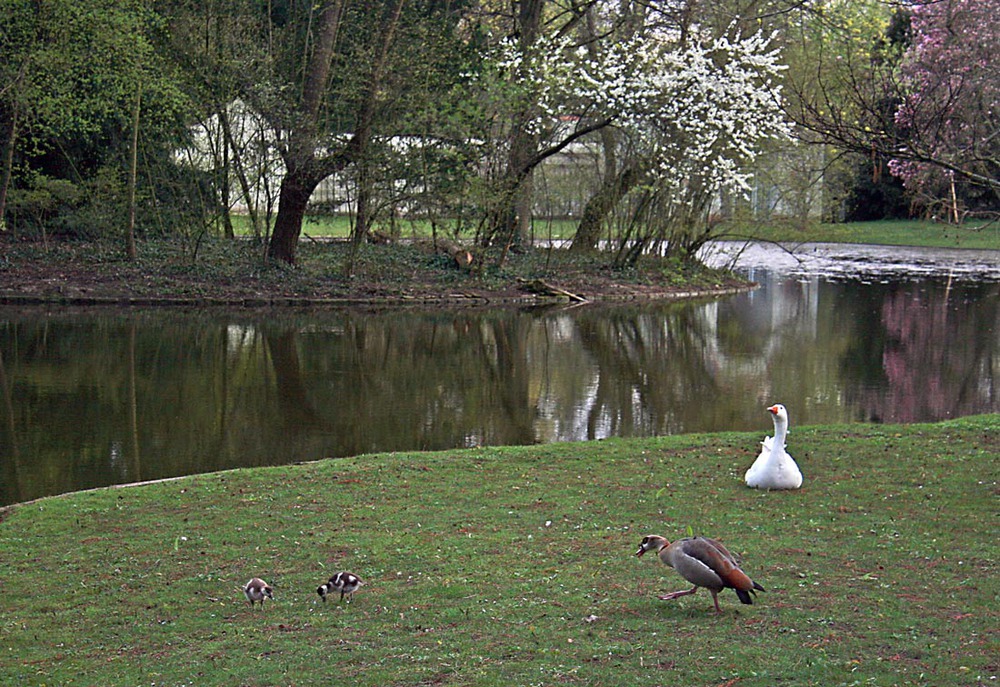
x=691 y=115
x=537 y=98
x=701 y=113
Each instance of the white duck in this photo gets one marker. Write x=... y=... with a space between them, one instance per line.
x=774 y=468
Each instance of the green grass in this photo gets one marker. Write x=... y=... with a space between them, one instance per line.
x=339 y=226
x=515 y=566
x=979 y=235
x=889 y=232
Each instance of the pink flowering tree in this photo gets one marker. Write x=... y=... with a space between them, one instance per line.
x=915 y=84
x=949 y=114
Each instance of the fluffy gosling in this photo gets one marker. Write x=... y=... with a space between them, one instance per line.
x=344 y=582
x=257 y=590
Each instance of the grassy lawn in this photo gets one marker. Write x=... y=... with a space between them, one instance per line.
x=889 y=232
x=515 y=566
x=339 y=226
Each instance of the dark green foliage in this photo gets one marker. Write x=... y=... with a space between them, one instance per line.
x=875 y=193
x=72 y=72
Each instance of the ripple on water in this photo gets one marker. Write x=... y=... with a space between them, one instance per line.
x=867 y=263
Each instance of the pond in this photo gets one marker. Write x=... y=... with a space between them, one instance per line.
x=92 y=397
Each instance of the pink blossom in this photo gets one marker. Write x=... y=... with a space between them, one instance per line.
x=950 y=113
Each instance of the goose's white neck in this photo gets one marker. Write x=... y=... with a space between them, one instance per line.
x=780 y=431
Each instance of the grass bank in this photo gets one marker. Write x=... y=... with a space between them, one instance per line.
x=209 y=270
x=220 y=271
x=515 y=566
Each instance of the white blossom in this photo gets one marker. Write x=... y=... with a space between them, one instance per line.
x=697 y=111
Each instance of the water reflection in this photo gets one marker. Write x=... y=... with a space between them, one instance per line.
x=98 y=397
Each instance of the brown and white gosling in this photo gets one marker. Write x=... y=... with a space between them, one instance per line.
x=704 y=563
x=344 y=582
x=257 y=590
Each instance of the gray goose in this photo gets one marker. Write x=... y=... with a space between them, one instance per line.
x=704 y=563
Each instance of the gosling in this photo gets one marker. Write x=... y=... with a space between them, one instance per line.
x=344 y=582
x=257 y=590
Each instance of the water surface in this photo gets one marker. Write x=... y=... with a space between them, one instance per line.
x=99 y=396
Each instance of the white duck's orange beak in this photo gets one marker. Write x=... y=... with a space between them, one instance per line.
x=773 y=410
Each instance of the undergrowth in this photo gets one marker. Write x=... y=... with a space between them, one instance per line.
x=324 y=270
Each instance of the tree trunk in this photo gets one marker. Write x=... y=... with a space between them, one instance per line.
x=363 y=214
x=300 y=157
x=366 y=121
x=296 y=189
x=459 y=253
x=133 y=167
x=229 y=144
x=524 y=145
x=588 y=233
x=524 y=201
x=600 y=206
x=8 y=166
x=8 y=151
x=506 y=222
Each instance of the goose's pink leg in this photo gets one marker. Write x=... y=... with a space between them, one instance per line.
x=675 y=595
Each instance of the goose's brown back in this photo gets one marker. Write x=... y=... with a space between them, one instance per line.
x=706 y=563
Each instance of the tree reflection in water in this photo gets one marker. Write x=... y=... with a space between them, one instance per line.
x=98 y=397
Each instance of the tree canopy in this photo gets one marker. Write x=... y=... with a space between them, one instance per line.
x=914 y=85
x=950 y=107
x=454 y=111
